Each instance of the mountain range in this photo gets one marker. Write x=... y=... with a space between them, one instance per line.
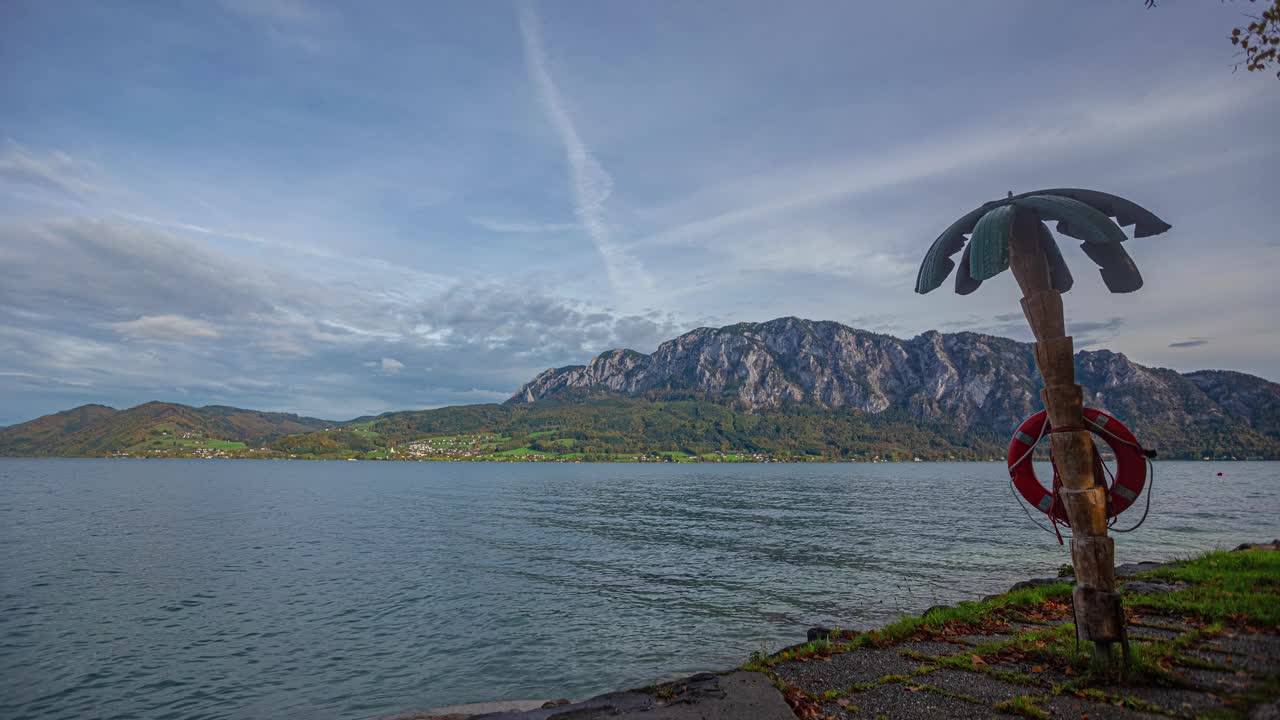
x=789 y=387
x=973 y=381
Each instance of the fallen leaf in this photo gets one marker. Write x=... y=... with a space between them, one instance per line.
x=1037 y=668
x=977 y=660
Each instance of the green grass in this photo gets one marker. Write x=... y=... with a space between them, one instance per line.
x=1023 y=705
x=174 y=443
x=909 y=682
x=1236 y=589
x=521 y=452
x=1225 y=586
x=970 y=613
x=761 y=660
x=1126 y=701
x=364 y=428
x=465 y=437
x=973 y=614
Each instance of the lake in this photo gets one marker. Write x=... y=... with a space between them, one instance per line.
x=251 y=589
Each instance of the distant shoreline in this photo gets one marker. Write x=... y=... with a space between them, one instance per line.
x=526 y=460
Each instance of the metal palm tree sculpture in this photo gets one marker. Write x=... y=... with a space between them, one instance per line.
x=1012 y=233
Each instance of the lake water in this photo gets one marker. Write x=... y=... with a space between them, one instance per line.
x=251 y=589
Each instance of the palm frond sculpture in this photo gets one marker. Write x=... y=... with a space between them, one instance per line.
x=1014 y=233
x=1081 y=214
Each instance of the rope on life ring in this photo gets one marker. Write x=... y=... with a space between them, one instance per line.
x=1131 y=476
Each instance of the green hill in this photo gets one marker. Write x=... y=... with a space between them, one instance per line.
x=97 y=430
x=654 y=426
x=45 y=433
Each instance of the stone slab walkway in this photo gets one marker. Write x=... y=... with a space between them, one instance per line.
x=706 y=696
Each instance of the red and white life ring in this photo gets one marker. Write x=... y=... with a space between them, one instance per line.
x=1131 y=463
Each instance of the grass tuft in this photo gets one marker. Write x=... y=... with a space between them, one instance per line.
x=1235 y=587
x=1023 y=705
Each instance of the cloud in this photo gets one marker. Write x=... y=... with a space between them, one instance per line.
x=796 y=248
x=192 y=227
x=165 y=327
x=1193 y=342
x=299 y=212
x=1094 y=325
x=521 y=228
x=591 y=185
x=1093 y=123
x=271 y=339
x=54 y=171
x=876 y=322
x=1090 y=333
x=497 y=318
x=120 y=270
x=1084 y=333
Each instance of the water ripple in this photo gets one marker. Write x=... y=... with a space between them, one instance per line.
x=186 y=589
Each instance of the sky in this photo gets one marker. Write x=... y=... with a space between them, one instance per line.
x=341 y=209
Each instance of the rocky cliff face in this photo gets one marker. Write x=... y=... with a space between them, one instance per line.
x=972 y=380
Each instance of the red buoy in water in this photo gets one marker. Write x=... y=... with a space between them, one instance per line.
x=1219 y=474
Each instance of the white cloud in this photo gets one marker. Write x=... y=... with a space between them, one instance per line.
x=521 y=228
x=392 y=366
x=56 y=171
x=839 y=251
x=1084 y=125
x=165 y=327
x=192 y=227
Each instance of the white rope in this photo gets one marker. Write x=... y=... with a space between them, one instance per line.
x=1150 y=468
x=1044 y=428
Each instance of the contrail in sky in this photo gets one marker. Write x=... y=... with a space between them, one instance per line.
x=592 y=186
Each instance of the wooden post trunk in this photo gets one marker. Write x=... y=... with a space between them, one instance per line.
x=1099 y=616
